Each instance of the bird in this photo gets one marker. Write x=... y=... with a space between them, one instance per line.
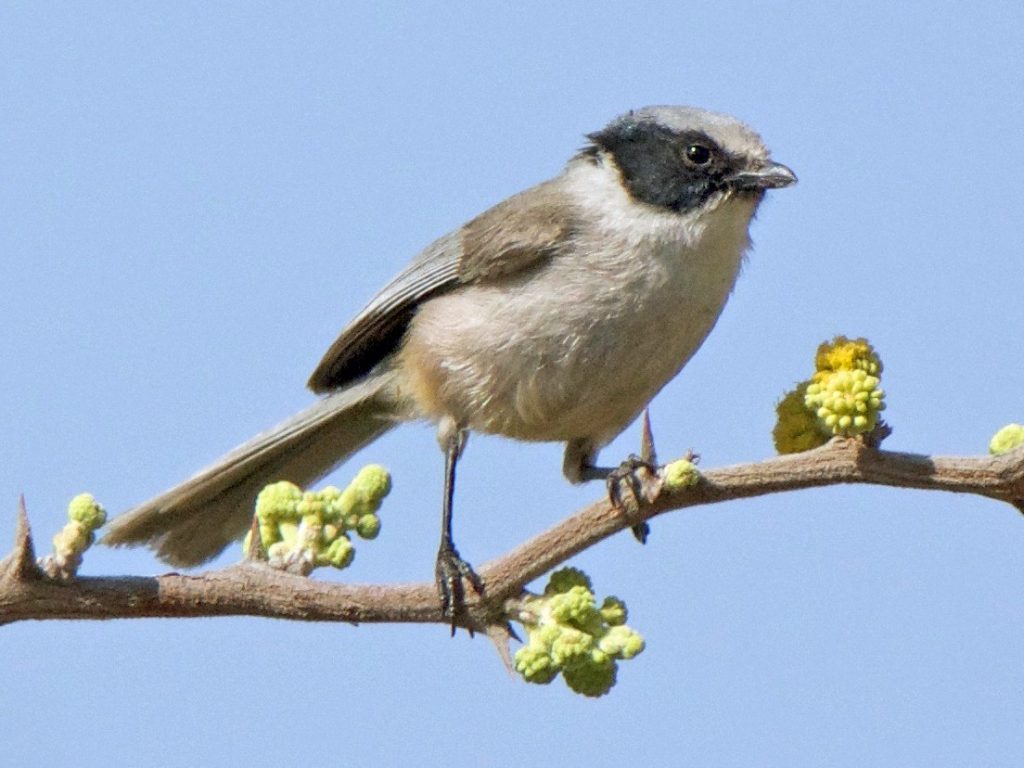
x=554 y=316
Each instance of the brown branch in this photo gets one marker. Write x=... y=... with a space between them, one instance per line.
x=252 y=589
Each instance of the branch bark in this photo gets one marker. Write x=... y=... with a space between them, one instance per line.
x=253 y=589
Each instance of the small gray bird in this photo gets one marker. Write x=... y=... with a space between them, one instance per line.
x=556 y=315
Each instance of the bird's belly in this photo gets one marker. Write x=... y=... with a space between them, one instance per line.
x=566 y=352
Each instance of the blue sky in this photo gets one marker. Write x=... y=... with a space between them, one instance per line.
x=194 y=199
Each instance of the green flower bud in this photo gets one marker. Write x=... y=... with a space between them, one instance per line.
x=278 y=501
x=571 y=644
x=86 y=510
x=613 y=611
x=544 y=637
x=346 y=503
x=534 y=665
x=621 y=642
x=73 y=539
x=1006 y=439
x=372 y=483
x=310 y=505
x=331 y=498
x=340 y=553
x=680 y=474
x=577 y=606
x=846 y=402
x=368 y=526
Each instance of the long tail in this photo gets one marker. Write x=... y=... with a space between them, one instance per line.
x=196 y=520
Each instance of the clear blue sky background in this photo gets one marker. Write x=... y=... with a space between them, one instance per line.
x=194 y=199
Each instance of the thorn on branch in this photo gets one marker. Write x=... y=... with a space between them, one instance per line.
x=21 y=564
x=255 y=590
x=254 y=549
x=647 y=452
x=501 y=635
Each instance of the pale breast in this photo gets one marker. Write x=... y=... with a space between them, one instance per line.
x=578 y=346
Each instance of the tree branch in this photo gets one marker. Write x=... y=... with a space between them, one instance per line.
x=253 y=589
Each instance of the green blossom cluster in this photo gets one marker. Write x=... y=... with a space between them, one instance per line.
x=85 y=515
x=1006 y=439
x=846 y=403
x=302 y=530
x=568 y=632
x=842 y=397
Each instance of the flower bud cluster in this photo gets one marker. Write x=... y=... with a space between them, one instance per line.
x=842 y=398
x=85 y=515
x=302 y=530
x=569 y=633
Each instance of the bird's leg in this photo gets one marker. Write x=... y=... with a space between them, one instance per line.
x=639 y=474
x=450 y=569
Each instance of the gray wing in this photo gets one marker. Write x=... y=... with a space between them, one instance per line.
x=514 y=235
x=377 y=330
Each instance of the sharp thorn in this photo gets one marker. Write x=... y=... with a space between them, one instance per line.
x=22 y=562
x=647 y=452
x=500 y=635
x=255 y=550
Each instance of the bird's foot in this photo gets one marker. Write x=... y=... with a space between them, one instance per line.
x=634 y=482
x=449 y=572
x=640 y=476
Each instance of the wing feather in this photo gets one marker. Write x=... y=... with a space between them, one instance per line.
x=377 y=330
x=519 y=233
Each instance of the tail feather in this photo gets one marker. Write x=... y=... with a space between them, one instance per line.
x=196 y=520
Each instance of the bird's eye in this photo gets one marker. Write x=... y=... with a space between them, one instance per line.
x=698 y=154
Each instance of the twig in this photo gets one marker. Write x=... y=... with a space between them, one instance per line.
x=253 y=589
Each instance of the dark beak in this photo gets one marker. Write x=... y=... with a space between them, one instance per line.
x=769 y=176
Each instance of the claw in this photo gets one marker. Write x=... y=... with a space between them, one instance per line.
x=641 y=531
x=641 y=475
x=631 y=474
x=628 y=474
x=449 y=571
